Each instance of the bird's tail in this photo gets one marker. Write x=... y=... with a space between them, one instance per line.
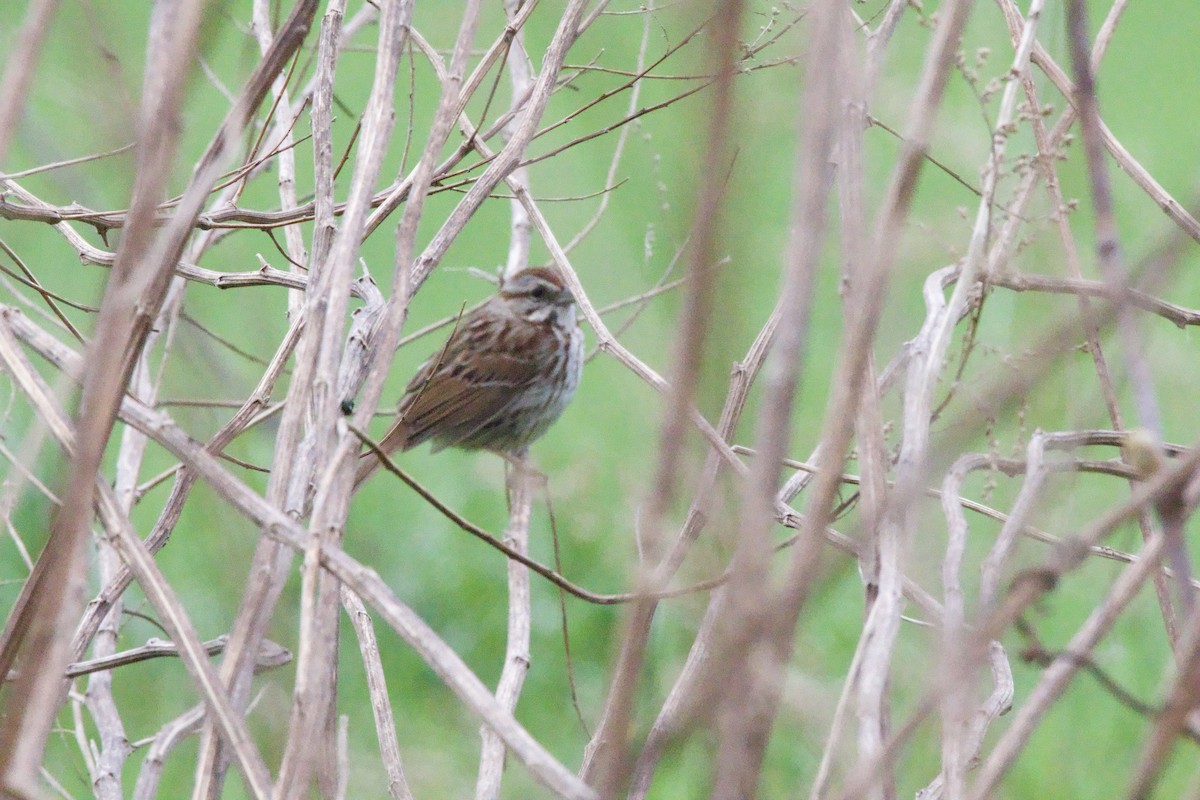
x=368 y=462
x=394 y=441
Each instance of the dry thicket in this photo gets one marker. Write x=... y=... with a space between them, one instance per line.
x=907 y=422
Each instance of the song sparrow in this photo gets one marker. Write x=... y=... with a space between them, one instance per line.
x=503 y=377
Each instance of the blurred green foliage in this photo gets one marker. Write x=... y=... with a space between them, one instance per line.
x=600 y=458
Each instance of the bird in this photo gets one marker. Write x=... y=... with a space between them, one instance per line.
x=503 y=377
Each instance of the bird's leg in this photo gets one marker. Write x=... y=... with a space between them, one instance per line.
x=518 y=467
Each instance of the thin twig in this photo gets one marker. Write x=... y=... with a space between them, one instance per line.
x=381 y=705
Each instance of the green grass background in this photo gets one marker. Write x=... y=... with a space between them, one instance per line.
x=600 y=458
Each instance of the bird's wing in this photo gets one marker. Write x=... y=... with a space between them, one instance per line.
x=451 y=398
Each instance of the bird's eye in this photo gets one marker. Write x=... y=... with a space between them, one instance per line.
x=540 y=292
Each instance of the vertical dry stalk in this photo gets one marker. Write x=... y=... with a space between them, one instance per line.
x=1112 y=268
x=115 y=747
x=1108 y=249
x=325 y=460
x=1050 y=142
x=608 y=762
x=20 y=67
x=880 y=556
x=138 y=282
x=519 y=486
x=250 y=624
x=681 y=702
x=955 y=703
x=1046 y=146
x=868 y=293
x=756 y=631
x=516 y=653
x=381 y=706
x=1181 y=701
